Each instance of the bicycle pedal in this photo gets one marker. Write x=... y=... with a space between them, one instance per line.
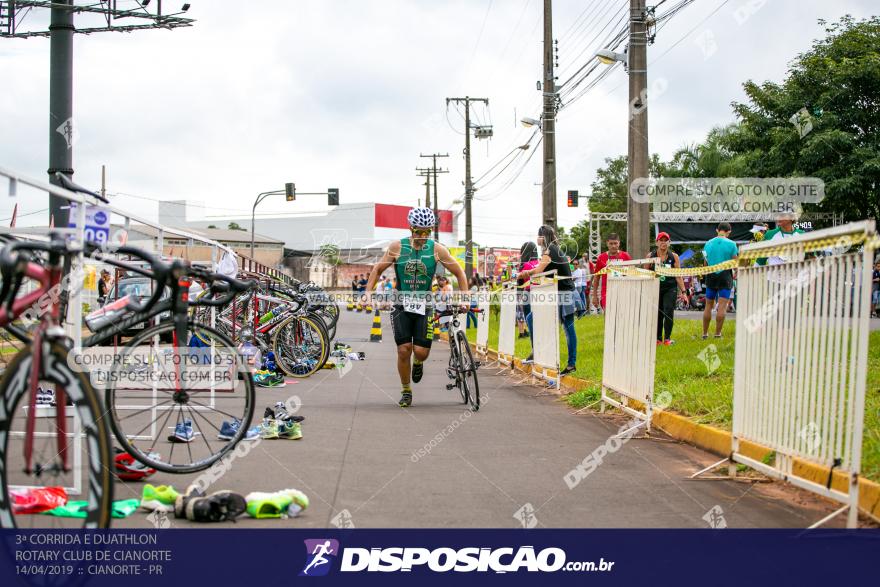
x=449 y=386
x=477 y=364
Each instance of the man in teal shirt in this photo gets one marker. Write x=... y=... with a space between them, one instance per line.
x=720 y=283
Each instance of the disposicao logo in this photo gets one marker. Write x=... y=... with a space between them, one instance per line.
x=320 y=553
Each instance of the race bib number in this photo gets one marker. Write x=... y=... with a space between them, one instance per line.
x=415 y=306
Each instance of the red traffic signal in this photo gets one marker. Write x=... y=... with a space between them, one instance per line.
x=572 y=198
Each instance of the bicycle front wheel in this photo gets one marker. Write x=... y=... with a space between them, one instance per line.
x=69 y=456
x=468 y=371
x=454 y=370
x=179 y=407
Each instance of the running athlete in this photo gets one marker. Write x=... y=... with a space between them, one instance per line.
x=415 y=261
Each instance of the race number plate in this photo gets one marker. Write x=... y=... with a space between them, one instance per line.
x=415 y=306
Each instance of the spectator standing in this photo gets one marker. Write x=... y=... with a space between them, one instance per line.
x=669 y=286
x=719 y=285
x=554 y=259
x=612 y=254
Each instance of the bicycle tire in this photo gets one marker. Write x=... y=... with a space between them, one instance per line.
x=300 y=366
x=454 y=371
x=15 y=386
x=243 y=378
x=468 y=368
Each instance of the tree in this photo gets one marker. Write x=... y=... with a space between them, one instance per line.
x=835 y=86
x=235 y=226
x=212 y=226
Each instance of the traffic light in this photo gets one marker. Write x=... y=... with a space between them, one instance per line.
x=333 y=196
x=290 y=191
x=572 y=198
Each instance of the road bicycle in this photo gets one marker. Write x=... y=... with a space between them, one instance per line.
x=281 y=320
x=462 y=368
x=46 y=446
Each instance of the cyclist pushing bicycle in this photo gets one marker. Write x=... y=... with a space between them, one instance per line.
x=415 y=260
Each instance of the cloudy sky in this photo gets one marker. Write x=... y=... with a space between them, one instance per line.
x=347 y=94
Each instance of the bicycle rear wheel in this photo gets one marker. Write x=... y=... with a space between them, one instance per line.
x=85 y=442
x=468 y=371
x=179 y=408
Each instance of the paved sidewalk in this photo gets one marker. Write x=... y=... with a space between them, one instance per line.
x=360 y=459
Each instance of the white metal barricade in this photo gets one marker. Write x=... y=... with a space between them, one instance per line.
x=628 y=358
x=544 y=299
x=507 y=324
x=483 y=322
x=801 y=356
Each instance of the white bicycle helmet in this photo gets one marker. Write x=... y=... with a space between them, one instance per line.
x=421 y=218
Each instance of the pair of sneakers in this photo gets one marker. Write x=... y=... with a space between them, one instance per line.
x=266 y=378
x=219 y=506
x=230 y=428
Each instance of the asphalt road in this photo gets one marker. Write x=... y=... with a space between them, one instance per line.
x=365 y=462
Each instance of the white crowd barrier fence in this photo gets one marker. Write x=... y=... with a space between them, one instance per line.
x=483 y=323
x=628 y=358
x=544 y=299
x=802 y=355
x=507 y=323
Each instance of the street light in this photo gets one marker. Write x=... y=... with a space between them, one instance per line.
x=528 y=122
x=609 y=57
x=259 y=199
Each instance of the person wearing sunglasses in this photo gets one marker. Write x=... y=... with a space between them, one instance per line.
x=415 y=260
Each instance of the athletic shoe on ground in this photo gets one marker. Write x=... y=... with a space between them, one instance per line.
x=229 y=429
x=568 y=369
x=127 y=468
x=183 y=499
x=161 y=498
x=269 y=429
x=705 y=336
x=279 y=504
x=418 y=369
x=183 y=432
x=529 y=360
x=219 y=506
x=405 y=399
x=668 y=342
x=269 y=379
x=289 y=429
x=45 y=397
x=279 y=412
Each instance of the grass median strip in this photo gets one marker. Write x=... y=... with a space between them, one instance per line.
x=699 y=375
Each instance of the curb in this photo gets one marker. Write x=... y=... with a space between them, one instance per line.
x=718 y=441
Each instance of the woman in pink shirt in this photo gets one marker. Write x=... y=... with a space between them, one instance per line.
x=528 y=259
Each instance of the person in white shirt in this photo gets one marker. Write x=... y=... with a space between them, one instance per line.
x=580 y=285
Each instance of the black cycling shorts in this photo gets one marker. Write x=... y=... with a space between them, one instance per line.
x=721 y=280
x=412 y=328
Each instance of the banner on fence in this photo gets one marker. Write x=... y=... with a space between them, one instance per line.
x=507 y=323
x=544 y=295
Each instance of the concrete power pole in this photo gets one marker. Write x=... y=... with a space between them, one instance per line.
x=61 y=127
x=434 y=156
x=637 y=226
x=468 y=182
x=426 y=173
x=548 y=122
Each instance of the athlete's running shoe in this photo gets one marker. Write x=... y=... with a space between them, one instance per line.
x=289 y=429
x=568 y=369
x=279 y=412
x=418 y=369
x=668 y=342
x=229 y=429
x=405 y=399
x=216 y=507
x=269 y=379
x=161 y=498
x=183 y=499
x=127 y=468
x=269 y=429
x=183 y=432
x=263 y=505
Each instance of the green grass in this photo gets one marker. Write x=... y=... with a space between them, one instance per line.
x=706 y=398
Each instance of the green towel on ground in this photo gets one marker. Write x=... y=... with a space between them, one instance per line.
x=77 y=509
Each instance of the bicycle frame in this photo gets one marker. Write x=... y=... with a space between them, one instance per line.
x=47 y=298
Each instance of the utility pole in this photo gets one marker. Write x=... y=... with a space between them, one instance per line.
x=548 y=123
x=468 y=183
x=426 y=173
x=638 y=218
x=61 y=126
x=104 y=181
x=434 y=156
